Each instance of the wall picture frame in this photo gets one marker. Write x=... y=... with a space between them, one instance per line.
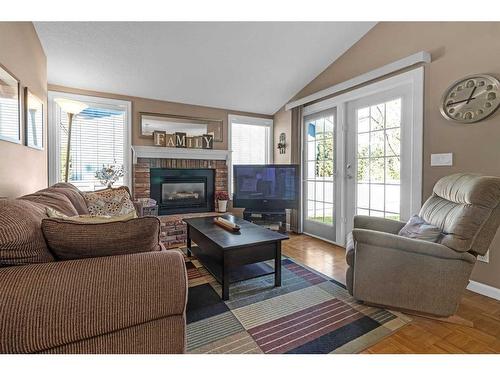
x=10 y=108
x=171 y=124
x=34 y=120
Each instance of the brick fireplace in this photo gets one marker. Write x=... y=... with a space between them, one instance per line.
x=173 y=230
x=141 y=180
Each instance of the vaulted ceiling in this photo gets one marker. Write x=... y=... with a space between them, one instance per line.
x=246 y=66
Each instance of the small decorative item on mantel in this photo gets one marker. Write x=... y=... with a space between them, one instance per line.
x=222 y=197
x=109 y=174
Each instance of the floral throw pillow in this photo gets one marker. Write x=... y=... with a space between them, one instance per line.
x=109 y=202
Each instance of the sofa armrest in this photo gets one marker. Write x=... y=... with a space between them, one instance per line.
x=379 y=224
x=51 y=304
x=393 y=241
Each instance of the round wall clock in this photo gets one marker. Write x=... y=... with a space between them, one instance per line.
x=471 y=99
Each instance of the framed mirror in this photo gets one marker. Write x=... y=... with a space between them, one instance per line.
x=34 y=120
x=10 y=104
x=192 y=126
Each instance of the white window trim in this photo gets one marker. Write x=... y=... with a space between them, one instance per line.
x=415 y=78
x=53 y=138
x=248 y=120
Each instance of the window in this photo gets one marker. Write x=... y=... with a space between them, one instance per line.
x=251 y=141
x=99 y=136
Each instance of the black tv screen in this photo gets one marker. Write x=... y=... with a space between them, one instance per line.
x=266 y=187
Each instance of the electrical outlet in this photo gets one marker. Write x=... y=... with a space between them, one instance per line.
x=484 y=258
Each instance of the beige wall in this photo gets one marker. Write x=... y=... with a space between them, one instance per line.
x=158 y=106
x=22 y=169
x=282 y=124
x=457 y=49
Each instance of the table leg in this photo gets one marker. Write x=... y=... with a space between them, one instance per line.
x=225 y=283
x=277 y=265
x=188 y=242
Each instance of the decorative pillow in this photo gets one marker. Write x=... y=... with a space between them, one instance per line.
x=109 y=202
x=419 y=229
x=68 y=239
x=89 y=218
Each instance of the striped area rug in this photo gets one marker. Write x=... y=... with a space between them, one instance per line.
x=309 y=313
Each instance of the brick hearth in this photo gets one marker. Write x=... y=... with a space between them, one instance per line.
x=173 y=230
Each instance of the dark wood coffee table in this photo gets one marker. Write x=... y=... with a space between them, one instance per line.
x=234 y=256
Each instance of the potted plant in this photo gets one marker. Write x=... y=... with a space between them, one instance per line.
x=221 y=197
x=109 y=174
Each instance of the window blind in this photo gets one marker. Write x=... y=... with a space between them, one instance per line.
x=9 y=118
x=250 y=145
x=97 y=139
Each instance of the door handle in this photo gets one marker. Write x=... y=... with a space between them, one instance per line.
x=349 y=175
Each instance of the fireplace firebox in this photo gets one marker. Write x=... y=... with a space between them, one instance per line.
x=182 y=190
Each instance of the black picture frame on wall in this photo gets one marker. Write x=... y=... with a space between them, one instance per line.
x=10 y=108
x=34 y=114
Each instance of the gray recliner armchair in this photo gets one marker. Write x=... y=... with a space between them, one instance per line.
x=414 y=275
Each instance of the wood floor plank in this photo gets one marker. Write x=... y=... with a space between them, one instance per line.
x=422 y=335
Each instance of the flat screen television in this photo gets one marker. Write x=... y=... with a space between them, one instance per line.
x=267 y=187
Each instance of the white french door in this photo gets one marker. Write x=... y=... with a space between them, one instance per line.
x=375 y=167
x=320 y=211
x=377 y=126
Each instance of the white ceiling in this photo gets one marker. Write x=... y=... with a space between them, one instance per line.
x=246 y=66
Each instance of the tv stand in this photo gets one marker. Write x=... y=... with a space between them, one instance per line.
x=274 y=220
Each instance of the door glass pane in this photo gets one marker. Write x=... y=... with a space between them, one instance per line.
x=320 y=174
x=377 y=119
x=319 y=191
x=378 y=174
x=310 y=190
x=311 y=151
x=363 y=195
x=329 y=194
x=320 y=206
x=328 y=214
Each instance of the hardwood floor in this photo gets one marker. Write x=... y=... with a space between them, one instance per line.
x=422 y=335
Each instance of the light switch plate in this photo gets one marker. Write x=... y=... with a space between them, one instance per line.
x=440 y=160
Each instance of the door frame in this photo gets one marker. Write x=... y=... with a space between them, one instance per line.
x=415 y=79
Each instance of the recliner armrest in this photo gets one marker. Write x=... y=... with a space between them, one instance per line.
x=393 y=241
x=379 y=224
x=47 y=305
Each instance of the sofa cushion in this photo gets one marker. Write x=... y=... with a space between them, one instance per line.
x=21 y=238
x=110 y=202
x=74 y=195
x=68 y=239
x=420 y=229
x=54 y=199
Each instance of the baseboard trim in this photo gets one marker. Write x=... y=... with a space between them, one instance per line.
x=484 y=289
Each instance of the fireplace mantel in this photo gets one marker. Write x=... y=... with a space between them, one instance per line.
x=156 y=152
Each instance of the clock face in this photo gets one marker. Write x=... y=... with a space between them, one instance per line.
x=471 y=99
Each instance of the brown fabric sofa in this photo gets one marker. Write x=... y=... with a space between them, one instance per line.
x=132 y=303
x=411 y=274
